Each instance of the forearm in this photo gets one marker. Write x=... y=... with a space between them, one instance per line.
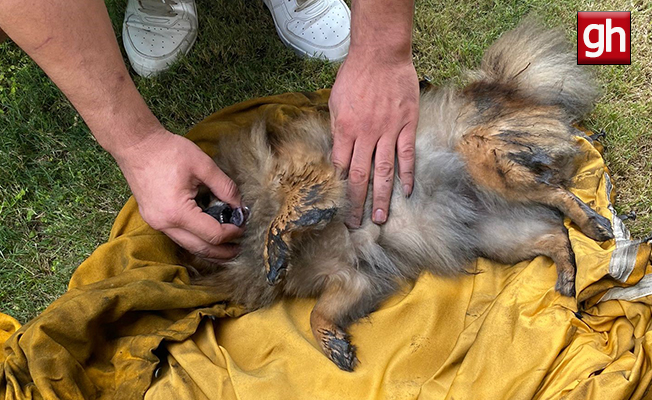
x=382 y=28
x=372 y=121
x=74 y=43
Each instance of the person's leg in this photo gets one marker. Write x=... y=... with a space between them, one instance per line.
x=3 y=36
x=156 y=32
x=313 y=28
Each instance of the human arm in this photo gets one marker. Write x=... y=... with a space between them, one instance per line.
x=375 y=105
x=74 y=43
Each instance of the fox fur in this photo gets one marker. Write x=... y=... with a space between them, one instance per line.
x=494 y=161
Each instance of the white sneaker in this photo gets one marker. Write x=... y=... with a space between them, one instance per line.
x=156 y=32
x=313 y=28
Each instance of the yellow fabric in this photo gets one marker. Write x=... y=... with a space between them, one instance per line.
x=503 y=333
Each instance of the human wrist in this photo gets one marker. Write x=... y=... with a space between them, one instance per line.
x=381 y=30
x=381 y=46
x=122 y=122
x=381 y=55
x=133 y=143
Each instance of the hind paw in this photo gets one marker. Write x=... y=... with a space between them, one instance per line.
x=566 y=284
x=338 y=348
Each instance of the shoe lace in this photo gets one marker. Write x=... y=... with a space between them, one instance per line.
x=159 y=8
x=303 y=4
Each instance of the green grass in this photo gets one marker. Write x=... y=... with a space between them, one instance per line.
x=59 y=192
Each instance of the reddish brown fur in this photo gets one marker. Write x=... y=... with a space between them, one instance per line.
x=493 y=161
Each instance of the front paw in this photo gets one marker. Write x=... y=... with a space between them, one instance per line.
x=598 y=227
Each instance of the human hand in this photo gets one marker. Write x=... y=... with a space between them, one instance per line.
x=374 y=107
x=164 y=172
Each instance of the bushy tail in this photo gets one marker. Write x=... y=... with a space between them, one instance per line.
x=541 y=65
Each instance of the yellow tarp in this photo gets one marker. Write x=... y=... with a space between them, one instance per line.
x=503 y=333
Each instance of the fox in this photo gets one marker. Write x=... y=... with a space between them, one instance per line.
x=495 y=160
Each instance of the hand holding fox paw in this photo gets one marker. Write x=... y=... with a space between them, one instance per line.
x=164 y=172
x=374 y=112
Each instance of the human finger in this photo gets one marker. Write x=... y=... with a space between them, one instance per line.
x=405 y=148
x=218 y=182
x=383 y=181
x=342 y=150
x=358 y=181
x=200 y=248
x=205 y=227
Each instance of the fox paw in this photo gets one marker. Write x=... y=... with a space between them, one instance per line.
x=566 y=283
x=338 y=348
x=600 y=228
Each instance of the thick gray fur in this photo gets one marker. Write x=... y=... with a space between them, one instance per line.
x=441 y=228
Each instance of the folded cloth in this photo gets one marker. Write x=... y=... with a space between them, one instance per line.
x=131 y=325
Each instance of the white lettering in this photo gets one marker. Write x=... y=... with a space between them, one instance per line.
x=599 y=45
x=621 y=35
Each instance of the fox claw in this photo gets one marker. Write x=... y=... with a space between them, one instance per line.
x=338 y=348
x=274 y=276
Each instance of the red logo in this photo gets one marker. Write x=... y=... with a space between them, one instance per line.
x=604 y=37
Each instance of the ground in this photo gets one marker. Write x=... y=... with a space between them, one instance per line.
x=60 y=192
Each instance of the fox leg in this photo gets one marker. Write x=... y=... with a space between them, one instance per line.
x=533 y=175
x=347 y=296
x=521 y=232
x=590 y=222
x=557 y=246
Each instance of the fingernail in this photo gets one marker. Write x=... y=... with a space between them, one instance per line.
x=379 y=216
x=407 y=190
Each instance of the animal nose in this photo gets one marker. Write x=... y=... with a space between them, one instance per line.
x=224 y=214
